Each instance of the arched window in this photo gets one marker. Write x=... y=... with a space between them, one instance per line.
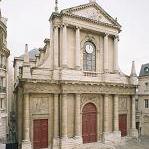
x=89 y=57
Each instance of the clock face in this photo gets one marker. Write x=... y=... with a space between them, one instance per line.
x=89 y=48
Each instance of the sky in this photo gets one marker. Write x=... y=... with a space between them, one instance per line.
x=28 y=23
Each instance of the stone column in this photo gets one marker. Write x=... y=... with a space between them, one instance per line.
x=77 y=116
x=106 y=62
x=133 y=113
x=64 y=48
x=77 y=57
x=56 y=117
x=56 y=47
x=116 y=68
x=106 y=118
x=106 y=113
x=133 y=131
x=64 y=116
x=26 y=123
x=116 y=115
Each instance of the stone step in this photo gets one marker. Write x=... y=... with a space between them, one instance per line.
x=94 y=146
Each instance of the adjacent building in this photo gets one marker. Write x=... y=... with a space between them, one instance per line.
x=73 y=91
x=4 y=54
x=143 y=101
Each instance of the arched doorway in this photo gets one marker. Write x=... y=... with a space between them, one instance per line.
x=89 y=123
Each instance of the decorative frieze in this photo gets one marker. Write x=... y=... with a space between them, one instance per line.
x=78 y=87
x=88 y=98
x=122 y=103
x=39 y=105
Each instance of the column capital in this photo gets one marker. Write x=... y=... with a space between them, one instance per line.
x=116 y=37
x=78 y=27
x=65 y=24
x=116 y=95
x=106 y=95
x=78 y=94
x=56 y=26
x=106 y=34
x=56 y=94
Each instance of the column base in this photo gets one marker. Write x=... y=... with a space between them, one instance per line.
x=111 y=137
x=116 y=71
x=70 y=143
x=26 y=144
x=106 y=71
x=133 y=133
x=77 y=68
x=56 y=143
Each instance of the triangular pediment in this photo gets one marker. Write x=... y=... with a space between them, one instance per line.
x=92 y=11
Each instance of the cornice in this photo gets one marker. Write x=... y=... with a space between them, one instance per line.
x=102 y=11
x=64 y=82
x=6 y=51
x=91 y=20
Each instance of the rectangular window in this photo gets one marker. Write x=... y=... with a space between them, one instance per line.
x=146 y=103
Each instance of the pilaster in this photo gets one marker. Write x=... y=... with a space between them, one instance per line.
x=78 y=135
x=56 y=139
x=64 y=47
x=26 y=143
x=106 y=52
x=133 y=131
x=116 y=68
x=56 y=42
x=77 y=56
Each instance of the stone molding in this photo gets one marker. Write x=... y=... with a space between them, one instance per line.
x=77 y=87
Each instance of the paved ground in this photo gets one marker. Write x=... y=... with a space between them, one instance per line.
x=142 y=143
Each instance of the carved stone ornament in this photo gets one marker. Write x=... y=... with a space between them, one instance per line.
x=39 y=105
x=123 y=103
x=90 y=13
x=86 y=98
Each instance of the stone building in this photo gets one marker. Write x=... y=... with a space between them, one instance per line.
x=4 y=54
x=143 y=100
x=73 y=92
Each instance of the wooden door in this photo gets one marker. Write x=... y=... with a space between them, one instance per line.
x=89 y=123
x=123 y=124
x=40 y=133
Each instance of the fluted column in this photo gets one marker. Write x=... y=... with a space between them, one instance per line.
x=77 y=57
x=26 y=121
x=56 y=47
x=56 y=116
x=64 y=48
x=64 y=115
x=133 y=113
x=116 y=39
x=77 y=116
x=106 y=62
x=106 y=113
x=116 y=115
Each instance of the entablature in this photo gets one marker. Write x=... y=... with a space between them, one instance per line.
x=44 y=86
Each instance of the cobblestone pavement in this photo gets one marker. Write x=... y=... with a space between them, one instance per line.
x=142 y=143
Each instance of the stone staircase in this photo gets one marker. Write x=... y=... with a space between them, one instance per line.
x=96 y=145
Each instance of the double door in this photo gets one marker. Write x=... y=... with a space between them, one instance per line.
x=40 y=133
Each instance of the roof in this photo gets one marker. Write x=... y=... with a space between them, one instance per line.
x=144 y=70
x=32 y=54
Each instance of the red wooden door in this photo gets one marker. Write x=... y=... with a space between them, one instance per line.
x=40 y=133
x=89 y=123
x=123 y=124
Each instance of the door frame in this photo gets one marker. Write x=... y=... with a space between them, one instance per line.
x=46 y=131
x=34 y=117
x=97 y=119
x=126 y=123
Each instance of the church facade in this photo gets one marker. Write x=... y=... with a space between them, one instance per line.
x=73 y=91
